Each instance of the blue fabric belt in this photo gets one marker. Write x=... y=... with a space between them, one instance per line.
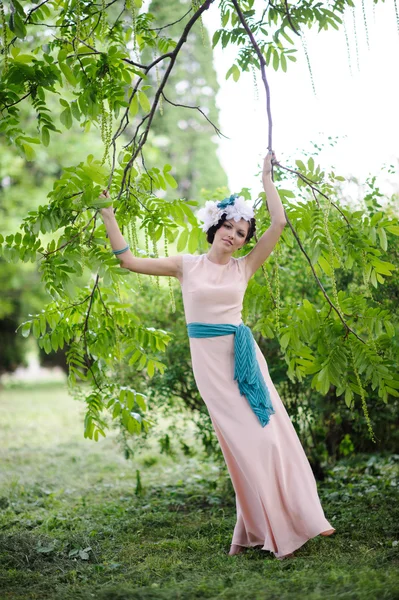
x=246 y=369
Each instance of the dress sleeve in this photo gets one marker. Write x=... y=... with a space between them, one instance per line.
x=242 y=263
x=186 y=260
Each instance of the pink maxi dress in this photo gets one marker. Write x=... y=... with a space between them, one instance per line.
x=277 y=501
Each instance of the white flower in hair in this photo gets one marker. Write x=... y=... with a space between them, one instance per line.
x=209 y=214
x=241 y=209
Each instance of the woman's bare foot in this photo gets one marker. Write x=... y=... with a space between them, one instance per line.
x=328 y=532
x=235 y=549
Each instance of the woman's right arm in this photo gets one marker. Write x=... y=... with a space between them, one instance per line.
x=171 y=265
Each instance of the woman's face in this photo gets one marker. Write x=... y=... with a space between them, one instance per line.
x=232 y=234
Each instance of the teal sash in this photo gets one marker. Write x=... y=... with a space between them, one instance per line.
x=246 y=368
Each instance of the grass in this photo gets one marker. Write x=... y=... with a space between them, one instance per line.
x=72 y=526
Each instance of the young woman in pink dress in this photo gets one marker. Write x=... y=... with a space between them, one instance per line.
x=277 y=502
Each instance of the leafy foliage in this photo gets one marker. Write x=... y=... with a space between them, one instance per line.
x=93 y=62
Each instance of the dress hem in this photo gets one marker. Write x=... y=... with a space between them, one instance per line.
x=289 y=549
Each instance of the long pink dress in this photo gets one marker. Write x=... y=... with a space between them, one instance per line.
x=277 y=501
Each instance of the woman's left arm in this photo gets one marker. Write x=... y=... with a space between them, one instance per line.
x=259 y=253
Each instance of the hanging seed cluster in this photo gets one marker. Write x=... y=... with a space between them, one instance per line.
x=118 y=347
x=4 y=35
x=365 y=24
x=171 y=294
x=160 y=102
x=371 y=339
x=195 y=4
x=396 y=13
x=268 y=284
x=134 y=244
x=81 y=239
x=305 y=49
x=348 y=48
x=78 y=25
x=362 y=392
x=256 y=90
x=103 y=20
x=105 y=122
x=132 y=8
x=155 y=251
x=277 y=285
x=118 y=290
x=331 y=254
x=355 y=36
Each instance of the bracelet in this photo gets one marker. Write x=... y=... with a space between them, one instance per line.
x=120 y=251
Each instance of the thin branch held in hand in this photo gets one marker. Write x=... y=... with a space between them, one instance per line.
x=262 y=62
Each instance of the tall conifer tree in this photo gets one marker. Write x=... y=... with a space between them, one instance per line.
x=184 y=135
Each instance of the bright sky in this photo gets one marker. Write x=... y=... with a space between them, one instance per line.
x=363 y=106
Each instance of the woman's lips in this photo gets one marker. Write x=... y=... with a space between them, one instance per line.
x=228 y=242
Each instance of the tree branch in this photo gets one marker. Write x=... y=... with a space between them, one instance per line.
x=296 y=236
x=220 y=134
x=263 y=71
x=173 y=56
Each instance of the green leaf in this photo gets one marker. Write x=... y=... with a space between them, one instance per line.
x=348 y=397
x=69 y=76
x=75 y=110
x=30 y=154
x=182 y=241
x=300 y=165
x=188 y=212
x=144 y=102
x=24 y=58
x=285 y=340
x=283 y=63
x=25 y=330
x=45 y=136
x=169 y=178
x=383 y=267
x=193 y=240
x=150 y=369
x=225 y=18
x=134 y=106
x=216 y=37
x=325 y=265
x=130 y=399
x=236 y=73
x=383 y=238
x=117 y=410
x=36 y=328
x=17 y=25
x=134 y=358
x=66 y=118
x=390 y=329
x=140 y=399
x=276 y=60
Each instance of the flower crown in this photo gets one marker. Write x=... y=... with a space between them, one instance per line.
x=235 y=207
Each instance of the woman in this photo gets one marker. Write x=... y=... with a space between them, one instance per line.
x=277 y=502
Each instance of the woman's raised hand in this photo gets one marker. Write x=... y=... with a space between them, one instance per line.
x=268 y=161
x=108 y=210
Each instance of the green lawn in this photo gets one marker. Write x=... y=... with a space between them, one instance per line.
x=72 y=525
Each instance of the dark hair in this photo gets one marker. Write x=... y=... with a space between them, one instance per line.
x=210 y=234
